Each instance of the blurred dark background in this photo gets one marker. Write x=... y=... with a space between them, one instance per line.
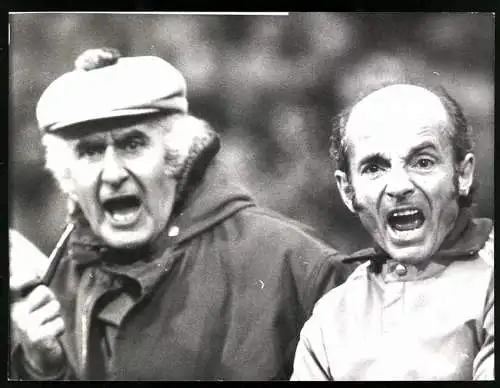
x=269 y=85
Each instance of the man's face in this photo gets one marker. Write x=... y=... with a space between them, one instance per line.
x=121 y=182
x=402 y=182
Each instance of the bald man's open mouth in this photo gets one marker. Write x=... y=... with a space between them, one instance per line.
x=405 y=219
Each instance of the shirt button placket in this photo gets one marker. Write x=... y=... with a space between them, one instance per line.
x=393 y=306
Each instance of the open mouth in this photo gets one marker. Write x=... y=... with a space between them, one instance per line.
x=123 y=209
x=407 y=219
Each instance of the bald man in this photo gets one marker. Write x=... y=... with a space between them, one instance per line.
x=421 y=305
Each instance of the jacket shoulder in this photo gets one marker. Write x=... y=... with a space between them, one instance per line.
x=271 y=240
x=270 y=224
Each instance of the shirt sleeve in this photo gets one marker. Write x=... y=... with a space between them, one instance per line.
x=310 y=363
x=484 y=362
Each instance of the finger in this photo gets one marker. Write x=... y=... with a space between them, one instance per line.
x=22 y=280
x=39 y=297
x=53 y=328
x=17 y=310
x=19 y=315
x=42 y=337
x=45 y=313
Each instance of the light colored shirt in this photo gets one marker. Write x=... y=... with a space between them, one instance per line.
x=402 y=323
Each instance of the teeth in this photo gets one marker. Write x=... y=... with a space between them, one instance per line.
x=124 y=216
x=405 y=213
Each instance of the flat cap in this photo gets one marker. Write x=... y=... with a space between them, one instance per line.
x=105 y=85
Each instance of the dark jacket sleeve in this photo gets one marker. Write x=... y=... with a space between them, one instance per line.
x=328 y=274
x=310 y=361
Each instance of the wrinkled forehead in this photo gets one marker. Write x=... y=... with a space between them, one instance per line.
x=397 y=110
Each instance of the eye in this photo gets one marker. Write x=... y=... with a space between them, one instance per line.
x=424 y=163
x=371 y=169
x=133 y=144
x=90 y=151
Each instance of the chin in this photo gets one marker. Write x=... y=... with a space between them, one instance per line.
x=410 y=255
x=126 y=239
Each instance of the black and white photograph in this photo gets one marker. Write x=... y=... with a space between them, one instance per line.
x=251 y=196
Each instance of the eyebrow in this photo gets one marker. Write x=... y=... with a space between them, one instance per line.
x=101 y=138
x=94 y=140
x=377 y=158
x=421 y=147
x=127 y=134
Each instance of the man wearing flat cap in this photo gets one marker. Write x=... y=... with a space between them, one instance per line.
x=167 y=270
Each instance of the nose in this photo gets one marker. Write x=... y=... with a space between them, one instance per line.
x=113 y=171
x=399 y=184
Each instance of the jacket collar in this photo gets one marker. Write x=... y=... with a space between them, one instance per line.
x=466 y=238
x=215 y=197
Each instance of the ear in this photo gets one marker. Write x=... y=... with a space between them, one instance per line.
x=466 y=174
x=345 y=189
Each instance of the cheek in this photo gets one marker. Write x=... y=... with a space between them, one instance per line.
x=156 y=175
x=366 y=197
x=162 y=189
x=158 y=182
x=366 y=193
x=373 y=225
x=440 y=189
x=161 y=199
x=83 y=180
x=83 y=191
x=444 y=199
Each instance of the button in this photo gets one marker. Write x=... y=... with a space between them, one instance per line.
x=401 y=270
x=173 y=231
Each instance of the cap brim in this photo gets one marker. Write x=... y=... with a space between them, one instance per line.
x=101 y=116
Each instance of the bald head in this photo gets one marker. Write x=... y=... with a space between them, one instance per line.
x=397 y=109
